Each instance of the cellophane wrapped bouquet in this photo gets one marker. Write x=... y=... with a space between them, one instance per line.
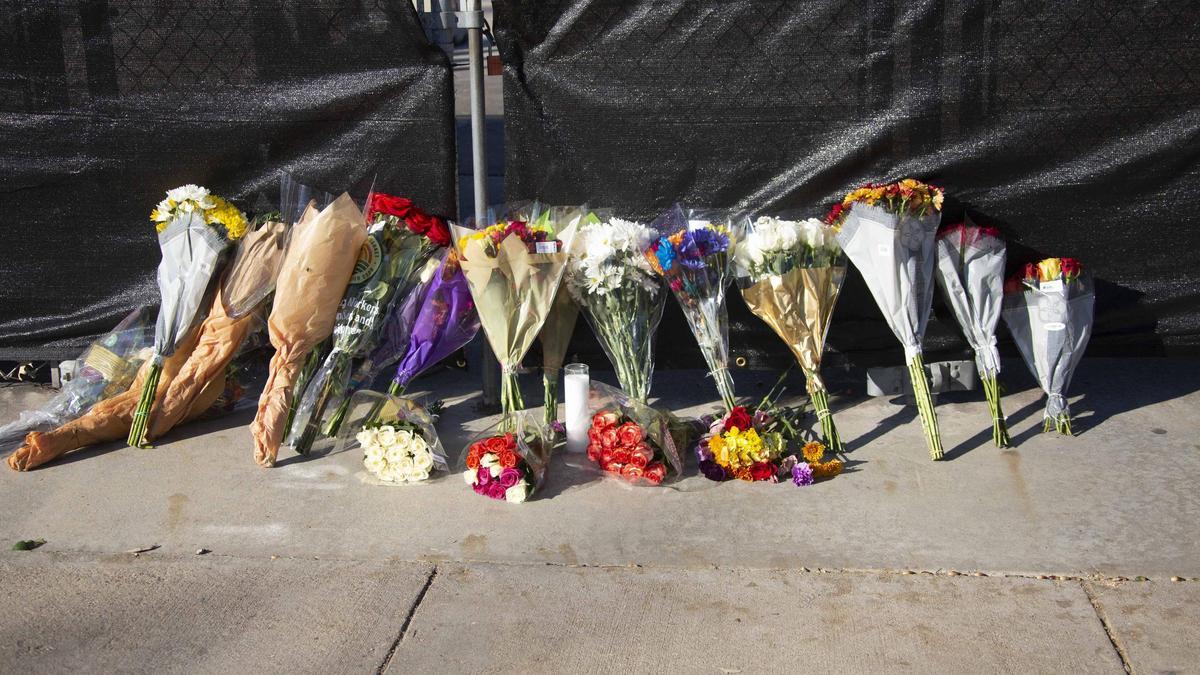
x=621 y=296
x=888 y=232
x=1049 y=310
x=790 y=273
x=400 y=240
x=760 y=443
x=194 y=228
x=693 y=254
x=106 y=368
x=631 y=441
x=514 y=271
x=509 y=463
x=970 y=270
x=397 y=438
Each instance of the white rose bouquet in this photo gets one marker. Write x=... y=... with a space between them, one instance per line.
x=398 y=441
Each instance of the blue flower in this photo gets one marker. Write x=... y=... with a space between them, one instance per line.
x=710 y=241
x=665 y=254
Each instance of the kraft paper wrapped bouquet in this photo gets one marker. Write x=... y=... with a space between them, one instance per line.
x=970 y=270
x=194 y=229
x=1049 y=310
x=790 y=273
x=319 y=262
x=514 y=272
x=693 y=255
x=621 y=296
x=888 y=232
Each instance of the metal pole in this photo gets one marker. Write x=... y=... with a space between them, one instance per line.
x=473 y=9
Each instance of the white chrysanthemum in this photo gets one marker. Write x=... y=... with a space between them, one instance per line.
x=187 y=195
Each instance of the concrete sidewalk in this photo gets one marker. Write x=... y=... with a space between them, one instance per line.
x=1016 y=560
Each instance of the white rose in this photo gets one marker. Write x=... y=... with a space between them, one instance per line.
x=517 y=493
x=488 y=459
x=368 y=438
x=376 y=466
x=387 y=436
x=374 y=452
x=495 y=470
x=403 y=440
x=419 y=475
x=423 y=460
x=469 y=476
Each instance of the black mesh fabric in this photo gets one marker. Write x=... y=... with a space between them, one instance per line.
x=1073 y=126
x=105 y=104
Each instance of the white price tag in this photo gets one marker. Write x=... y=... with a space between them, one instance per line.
x=546 y=247
x=1055 y=286
x=698 y=224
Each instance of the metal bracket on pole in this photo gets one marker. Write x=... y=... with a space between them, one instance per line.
x=465 y=20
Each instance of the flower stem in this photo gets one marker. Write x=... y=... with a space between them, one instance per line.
x=550 y=385
x=991 y=389
x=929 y=423
x=829 y=432
x=137 y=428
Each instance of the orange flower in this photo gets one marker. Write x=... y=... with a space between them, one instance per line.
x=827 y=469
x=813 y=452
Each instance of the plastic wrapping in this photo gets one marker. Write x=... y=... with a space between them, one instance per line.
x=693 y=254
x=514 y=272
x=510 y=461
x=791 y=274
x=894 y=251
x=393 y=458
x=631 y=441
x=1051 y=322
x=970 y=270
x=316 y=269
x=620 y=295
x=102 y=371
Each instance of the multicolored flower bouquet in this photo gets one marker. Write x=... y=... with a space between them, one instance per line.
x=791 y=273
x=888 y=232
x=400 y=241
x=509 y=466
x=970 y=270
x=194 y=228
x=514 y=272
x=757 y=445
x=1049 y=310
x=621 y=296
x=693 y=253
x=630 y=440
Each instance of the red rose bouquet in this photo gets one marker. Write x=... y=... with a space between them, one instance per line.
x=632 y=441
x=508 y=466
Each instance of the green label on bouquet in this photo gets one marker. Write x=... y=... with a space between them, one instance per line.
x=369 y=258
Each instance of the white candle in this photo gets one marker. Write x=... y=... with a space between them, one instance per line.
x=577 y=383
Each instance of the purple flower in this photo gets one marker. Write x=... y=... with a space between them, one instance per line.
x=709 y=241
x=802 y=474
x=558 y=427
x=510 y=477
x=702 y=451
x=483 y=477
x=714 y=471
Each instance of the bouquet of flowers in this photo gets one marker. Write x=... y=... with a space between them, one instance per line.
x=757 y=444
x=509 y=466
x=970 y=269
x=888 y=233
x=1049 y=311
x=194 y=229
x=622 y=298
x=791 y=273
x=400 y=240
x=103 y=370
x=319 y=263
x=399 y=443
x=630 y=440
x=693 y=254
x=513 y=271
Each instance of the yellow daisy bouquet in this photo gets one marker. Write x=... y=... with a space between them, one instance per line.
x=194 y=228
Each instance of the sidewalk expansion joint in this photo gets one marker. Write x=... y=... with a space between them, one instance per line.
x=1108 y=629
x=412 y=612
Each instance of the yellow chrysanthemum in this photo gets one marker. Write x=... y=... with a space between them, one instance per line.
x=813 y=452
x=229 y=217
x=826 y=469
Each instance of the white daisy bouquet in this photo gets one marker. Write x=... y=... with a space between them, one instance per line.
x=620 y=295
x=791 y=273
x=194 y=229
x=397 y=437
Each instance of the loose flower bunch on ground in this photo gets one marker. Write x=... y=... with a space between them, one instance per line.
x=396 y=452
x=496 y=469
x=755 y=445
x=810 y=466
x=622 y=447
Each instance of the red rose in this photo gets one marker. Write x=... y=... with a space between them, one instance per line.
x=645 y=451
x=621 y=455
x=762 y=471
x=418 y=221
x=495 y=445
x=738 y=417
x=604 y=419
x=606 y=457
x=608 y=438
x=1070 y=268
x=1031 y=272
x=439 y=232
x=833 y=215
x=382 y=204
x=638 y=460
x=508 y=458
x=593 y=452
x=631 y=473
x=630 y=434
x=655 y=472
x=594 y=434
